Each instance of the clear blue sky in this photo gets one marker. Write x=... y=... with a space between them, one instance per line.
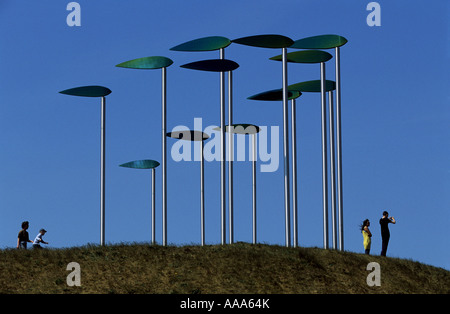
x=395 y=119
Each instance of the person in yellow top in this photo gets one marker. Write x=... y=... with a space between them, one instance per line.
x=366 y=235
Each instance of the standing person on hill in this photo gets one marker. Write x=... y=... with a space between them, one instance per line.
x=385 y=235
x=367 y=235
x=23 y=237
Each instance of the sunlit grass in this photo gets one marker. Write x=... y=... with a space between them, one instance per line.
x=192 y=269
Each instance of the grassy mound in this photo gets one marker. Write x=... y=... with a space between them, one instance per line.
x=214 y=269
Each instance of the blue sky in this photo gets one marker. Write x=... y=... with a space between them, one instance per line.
x=395 y=120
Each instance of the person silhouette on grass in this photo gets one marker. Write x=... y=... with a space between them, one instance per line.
x=38 y=240
x=385 y=234
x=23 y=237
x=367 y=235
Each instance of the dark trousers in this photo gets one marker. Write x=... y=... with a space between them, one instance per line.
x=384 y=244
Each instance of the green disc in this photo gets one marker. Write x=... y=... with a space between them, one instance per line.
x=189 y=135
x=213 y=65
x=146 y=63
x=320 y=42
x=204 y=44
x=265 y=41
x=87 y=91
x=305 y=56
x=312 y=86
x=141 y=164
x=275 y=95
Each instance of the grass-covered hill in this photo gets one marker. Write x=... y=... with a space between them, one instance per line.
x=230 y=269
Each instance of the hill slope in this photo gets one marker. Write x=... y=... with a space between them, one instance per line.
x=231 y=269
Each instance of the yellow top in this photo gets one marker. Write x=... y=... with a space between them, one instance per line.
x=367 y=240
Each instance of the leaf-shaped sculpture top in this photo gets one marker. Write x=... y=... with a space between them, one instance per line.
x=147 y=63
x=87 y=91
x=275 y=95
x=265 y=41
x=312 y=86
x=320 y=42
x=188 y=135
x=203 y=44
x=212 y=65
x=306 y=56
x=141 y=164
x=241 y=128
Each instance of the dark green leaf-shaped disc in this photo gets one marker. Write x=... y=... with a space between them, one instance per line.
x=265 y=41
x=204 y=44
x=306 y=56
x=87 y=91
x=141 y=164
x=189 y=135
x=146 y=63
x=275 y=95
x=320 y=42
x=213 y=65
x=241 y=128
x=312 y=86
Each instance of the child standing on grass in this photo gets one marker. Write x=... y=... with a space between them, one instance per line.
x=366 y=235
x=38 y=240
x=23 y=237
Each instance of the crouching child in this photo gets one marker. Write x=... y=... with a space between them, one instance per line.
x=38 y=240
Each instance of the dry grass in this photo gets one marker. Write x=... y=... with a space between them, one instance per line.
x=231 y=269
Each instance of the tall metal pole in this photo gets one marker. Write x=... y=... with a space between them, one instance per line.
x=164 y=156
x=153 y=206
x=230 y=156
x=332 y=170
x=294 y=172
x=222 y=153
x=102 y=174
x=254 y=187
x=339 y=150
x=202 y=192
x=324 y=155
x=286 y=151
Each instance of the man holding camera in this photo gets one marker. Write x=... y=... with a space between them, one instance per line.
x=385 y=235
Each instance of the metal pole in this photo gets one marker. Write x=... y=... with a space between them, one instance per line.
x=254 y=187
x=202 y=192
x=286 y=151
x=102 y=174
x=164 y=156
x=153 y=206
x=294 y=171
x=222 y=153
x=339 y=150
x=332 y=170
x=324 y=155
x=230 y=156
